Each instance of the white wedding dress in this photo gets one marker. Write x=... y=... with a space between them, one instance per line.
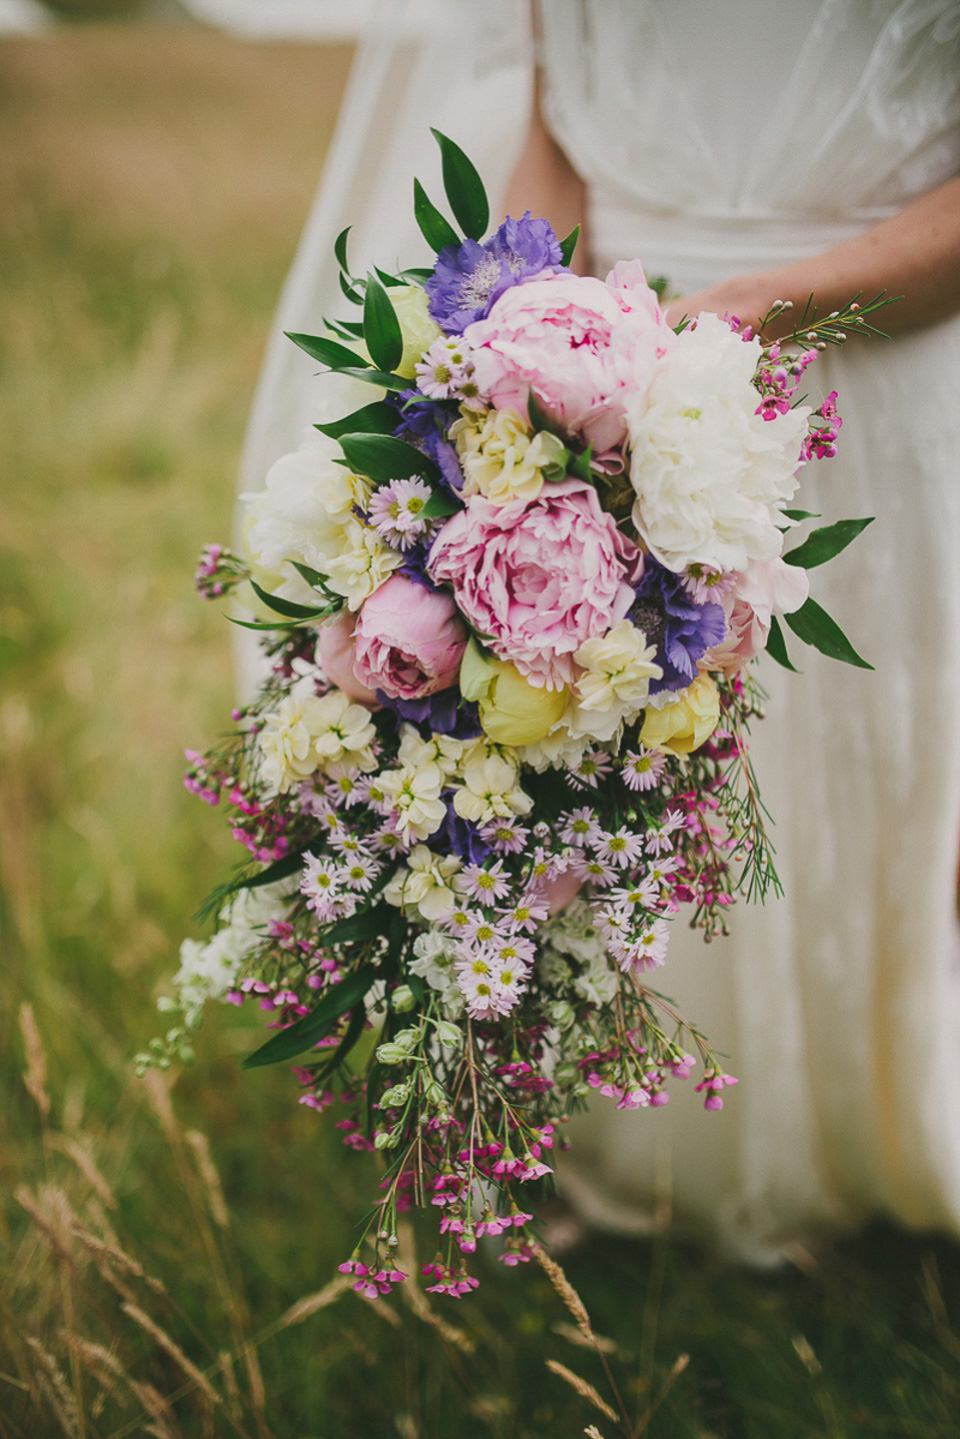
x=715 y=139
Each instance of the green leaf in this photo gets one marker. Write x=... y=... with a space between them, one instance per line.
x=376 y=377
x=800 y=515
x=417 y=274
x=379 y=418
x=382 y=458
x=436 y=230
x=539 y=419
x=286 y=607
x=340 y=249
x=342 y=1052
x=461 y=180
x=777 y=646
x=264 y=624
x=580 y=466
x=313 y=577
x=381 y=328
x=367 y=924
x=316 y=1025
x=822 y=544
x=328 y=352
x=352 y=293
x=814 y=626
x=568 y=245
x=280 y=869
x=440 y=503
x=391 y=281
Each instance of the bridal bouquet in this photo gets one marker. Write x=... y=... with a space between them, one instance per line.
x=508 y=607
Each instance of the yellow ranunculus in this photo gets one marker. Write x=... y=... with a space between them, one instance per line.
x=416 y=326
x=688 y=722
x=512 y=711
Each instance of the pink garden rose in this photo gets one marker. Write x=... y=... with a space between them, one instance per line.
x=579 y=344
x=538 y=576
x=767 y=588
x=409 y=640
x=336 y=652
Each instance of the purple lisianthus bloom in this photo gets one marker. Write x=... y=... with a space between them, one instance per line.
x=468 y=278
x=681 y=629
x=424 y=425
x=441 y=713
x=461 y=836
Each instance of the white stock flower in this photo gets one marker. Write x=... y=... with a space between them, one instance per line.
x=616 y=672
x=501 y=459
x=362 y=562
x=490 y=791
x=710 y=475
x=306 y=733
x=439 y=749
x=425 y=883
x=414 y=793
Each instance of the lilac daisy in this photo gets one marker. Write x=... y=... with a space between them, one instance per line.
x=642 y=768
x=396 y=511
x=622 y=847
x=580 y=827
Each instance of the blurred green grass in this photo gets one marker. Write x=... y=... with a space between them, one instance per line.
x=152 y=186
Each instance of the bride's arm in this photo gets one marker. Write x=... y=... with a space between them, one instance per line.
x=545 y=182
x=915 y=253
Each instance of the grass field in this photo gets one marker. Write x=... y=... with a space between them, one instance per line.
x=156 y=1239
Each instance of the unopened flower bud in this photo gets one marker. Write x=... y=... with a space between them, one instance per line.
x=403 y=998
x=395 y=1096
x=449 y=1035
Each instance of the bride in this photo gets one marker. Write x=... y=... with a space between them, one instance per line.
x=749 y=153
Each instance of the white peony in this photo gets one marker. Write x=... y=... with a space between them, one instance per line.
x=303 y=513
x=711 y=476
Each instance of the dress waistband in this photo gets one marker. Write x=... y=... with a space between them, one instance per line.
x=694 y=249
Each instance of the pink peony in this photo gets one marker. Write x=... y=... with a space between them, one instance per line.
x=409 y=639
x=336 y=653
x=580 y=345
x=767 y=588
x=538 y=577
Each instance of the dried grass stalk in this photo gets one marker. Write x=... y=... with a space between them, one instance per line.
x=207 y=1170
x=52 y=1227
x=171 y=1347
x=85 y=1162
x=54 y=1386
x=158 y=1093
x=595 y=1341
x=583 y=1388
x=592 y=1432
x=100 y=1362
x=165 y=1424
x=568 y=1294
x=312 y=1303
x=35 y=1078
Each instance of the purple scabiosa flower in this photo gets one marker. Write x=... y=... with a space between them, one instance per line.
x=468 y=278
x=424 y=425
x=462 y=838
x=440 y=713
x=681 y=629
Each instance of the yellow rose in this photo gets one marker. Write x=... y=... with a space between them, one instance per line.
x=416 y=326
x=688 y=722
x=512 y=711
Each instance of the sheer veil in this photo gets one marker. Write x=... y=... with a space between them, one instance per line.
x=458 y=67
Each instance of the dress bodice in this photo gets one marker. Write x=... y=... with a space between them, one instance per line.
x=813 y=118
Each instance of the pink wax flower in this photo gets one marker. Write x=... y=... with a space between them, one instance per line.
x=409 y=640
x=579 y=344
x=336 y=654
x=537 y=576
x=767 y=588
